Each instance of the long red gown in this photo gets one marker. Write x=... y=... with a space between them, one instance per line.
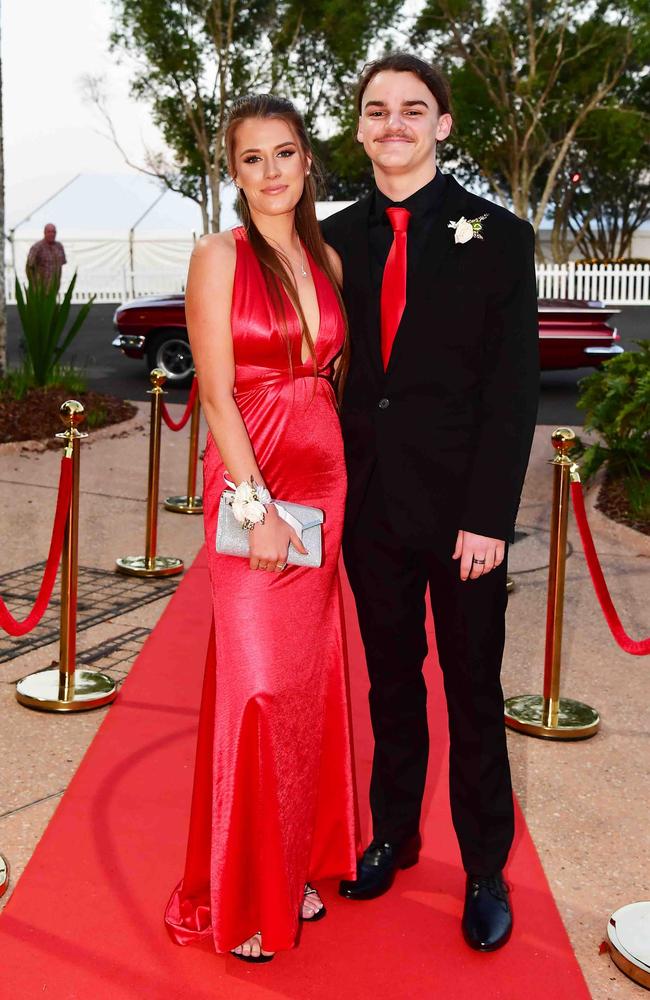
x=273 y=798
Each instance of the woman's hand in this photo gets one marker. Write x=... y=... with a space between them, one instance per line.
x=478 y=554
x=269 y=543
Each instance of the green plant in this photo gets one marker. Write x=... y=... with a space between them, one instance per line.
x=15 y=382
x=68 y=377
x=18 y=381
x=638 y=494
x=616 y=401
x=96 y=417
x=44 y=319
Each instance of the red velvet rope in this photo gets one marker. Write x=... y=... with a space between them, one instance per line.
x=7 y=621
x=188 y=409
x=638 y=648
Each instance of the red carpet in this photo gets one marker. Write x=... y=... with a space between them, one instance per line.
x=85 y=921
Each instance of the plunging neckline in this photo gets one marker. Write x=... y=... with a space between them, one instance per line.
x=318 y=303
x=315 y=275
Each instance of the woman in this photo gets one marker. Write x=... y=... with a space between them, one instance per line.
x=273 y=800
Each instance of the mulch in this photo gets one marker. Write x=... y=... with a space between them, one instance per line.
x=36 y=416
x=613 y=502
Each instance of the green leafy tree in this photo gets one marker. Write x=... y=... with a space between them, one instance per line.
x=192 y=57
x=600 y=210
x=525 y=78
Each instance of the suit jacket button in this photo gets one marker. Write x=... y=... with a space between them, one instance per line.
x=384 y=404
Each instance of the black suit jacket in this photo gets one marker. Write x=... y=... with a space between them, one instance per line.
x=450 y=423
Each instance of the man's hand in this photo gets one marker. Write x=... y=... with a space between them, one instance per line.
x=478 y=554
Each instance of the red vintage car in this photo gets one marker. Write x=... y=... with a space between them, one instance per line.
x=572 y=334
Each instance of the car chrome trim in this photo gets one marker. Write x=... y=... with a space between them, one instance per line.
x=612 y=350
x=578 y=310
x=131 y=340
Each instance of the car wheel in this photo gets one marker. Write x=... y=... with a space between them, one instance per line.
x=170 y=351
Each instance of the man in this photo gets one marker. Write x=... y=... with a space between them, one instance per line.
x=438 y=415
x=46 y=258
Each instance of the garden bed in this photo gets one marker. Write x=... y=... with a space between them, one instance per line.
x=36 y=416
x=614 y=503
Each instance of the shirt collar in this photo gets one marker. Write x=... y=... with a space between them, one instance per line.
x=426 y=199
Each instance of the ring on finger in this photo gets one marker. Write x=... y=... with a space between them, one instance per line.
x=281 y=566
x=479 y=562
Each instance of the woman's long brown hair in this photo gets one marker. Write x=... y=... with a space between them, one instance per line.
x=275 y=266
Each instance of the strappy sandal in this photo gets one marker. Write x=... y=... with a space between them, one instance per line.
x=254 y=959
x=310 y=891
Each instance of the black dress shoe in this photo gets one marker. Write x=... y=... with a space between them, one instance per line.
x=377 y=867
x=487 y=919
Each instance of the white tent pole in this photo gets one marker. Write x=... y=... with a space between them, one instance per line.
x=132 y=236
x=13 y=229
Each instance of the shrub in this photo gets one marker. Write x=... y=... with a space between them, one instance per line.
x=17 y=381
x=616 y=401
x=44 y=319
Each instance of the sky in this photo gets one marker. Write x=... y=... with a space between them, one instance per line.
x=50 y=134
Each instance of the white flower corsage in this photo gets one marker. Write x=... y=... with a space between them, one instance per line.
x=248 y=503
x=467 y=229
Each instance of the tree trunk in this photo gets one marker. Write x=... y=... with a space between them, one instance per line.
x=215 y=199
x=203 y=204
x=3 y=305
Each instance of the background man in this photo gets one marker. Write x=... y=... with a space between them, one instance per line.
x=438 y=416
x=46 y=258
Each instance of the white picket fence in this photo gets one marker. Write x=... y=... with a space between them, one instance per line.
x=616 y=285
x=113 y=286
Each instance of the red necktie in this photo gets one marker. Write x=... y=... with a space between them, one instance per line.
x=393 y=285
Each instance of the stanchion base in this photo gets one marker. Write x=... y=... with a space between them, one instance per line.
x=41 y=690
x=184 y=505
x=510 y=584
x=575 y=721
x=138 y=566
x=628 y=931
x=4 y=876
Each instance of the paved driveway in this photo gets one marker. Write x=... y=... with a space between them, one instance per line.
x=109 y=371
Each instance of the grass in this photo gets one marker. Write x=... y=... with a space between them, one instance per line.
x=18 y=381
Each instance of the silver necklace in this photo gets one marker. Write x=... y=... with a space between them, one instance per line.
x=302 y=256
x=302 y=261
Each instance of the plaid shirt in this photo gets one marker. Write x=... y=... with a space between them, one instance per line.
x=45 y=261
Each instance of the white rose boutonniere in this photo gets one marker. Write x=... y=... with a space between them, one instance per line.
x=467 y=229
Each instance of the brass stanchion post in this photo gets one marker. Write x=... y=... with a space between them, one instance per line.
x=550 y=716
x=628 y=932
x=151 y=564
x=190 y=504
x=66 y=689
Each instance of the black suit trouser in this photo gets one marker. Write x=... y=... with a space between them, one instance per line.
x=389 y=578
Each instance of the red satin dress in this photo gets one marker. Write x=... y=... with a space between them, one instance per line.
x=273 y=800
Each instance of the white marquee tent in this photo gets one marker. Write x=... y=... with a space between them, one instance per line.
x=124 y=234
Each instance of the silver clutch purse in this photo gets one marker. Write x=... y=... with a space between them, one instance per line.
x=233 y=540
